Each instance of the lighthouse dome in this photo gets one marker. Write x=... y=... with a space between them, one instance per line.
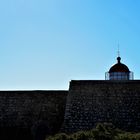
x=119 y=67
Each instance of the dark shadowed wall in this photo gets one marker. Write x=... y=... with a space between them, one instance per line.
x=91 y=102
x=31 y=112
x=34 y=114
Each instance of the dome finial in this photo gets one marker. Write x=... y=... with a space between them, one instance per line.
x=119 y=59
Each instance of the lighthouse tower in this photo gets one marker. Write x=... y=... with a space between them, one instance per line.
x=119 y=71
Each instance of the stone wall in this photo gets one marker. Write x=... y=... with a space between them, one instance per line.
x=91 y=102
x=40 y=112
x=23 y=113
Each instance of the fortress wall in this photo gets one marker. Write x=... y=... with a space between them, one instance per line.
x=32 y=109
x=91 y=102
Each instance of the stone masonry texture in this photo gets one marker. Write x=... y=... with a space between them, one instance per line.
x=91 y=102
x=24 y=111
x=86 y=103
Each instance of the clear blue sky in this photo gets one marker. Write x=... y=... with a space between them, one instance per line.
x=46 y=43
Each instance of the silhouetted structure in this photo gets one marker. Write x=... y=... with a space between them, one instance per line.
x=34 y=114
x=119 y=71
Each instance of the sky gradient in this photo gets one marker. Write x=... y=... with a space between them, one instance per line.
x=46 y=43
